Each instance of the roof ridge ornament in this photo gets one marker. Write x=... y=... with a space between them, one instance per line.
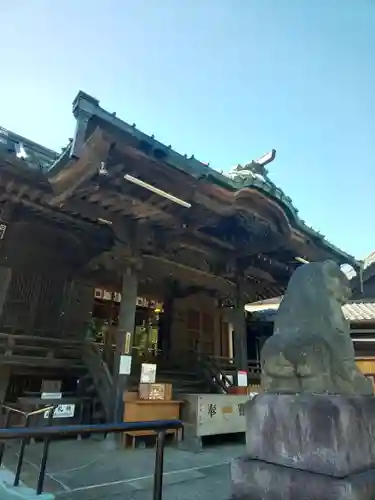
x=255 y=169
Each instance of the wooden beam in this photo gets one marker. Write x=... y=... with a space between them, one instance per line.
x=167 y=175
x=39 y=361
x=216 y=241
x=196 y=275
x=57 y=215
x=193 y=240
x=78 y=172
x=214 y=204
x=126 y=204
x=102 y=210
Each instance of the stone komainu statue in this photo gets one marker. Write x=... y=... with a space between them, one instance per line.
x=311 y=349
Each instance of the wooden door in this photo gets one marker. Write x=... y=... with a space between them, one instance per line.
x=224 y=339
x=200 y=331
x=207 y=333
x=193 y=330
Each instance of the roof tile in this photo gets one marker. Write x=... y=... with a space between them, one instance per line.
x=359 y=311
x=353 y=311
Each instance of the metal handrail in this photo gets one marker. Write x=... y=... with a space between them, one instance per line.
x=216 y=372
x=219 y=369
x=159 y=426
x=27 y=415
x=11 y=409
x=94 y=347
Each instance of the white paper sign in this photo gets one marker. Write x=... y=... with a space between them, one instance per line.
x=51 y=395
x=128 y=340
x=228 y=379
x=242 y=378
x=62 y=411
x=148 y=373
x=125 y=365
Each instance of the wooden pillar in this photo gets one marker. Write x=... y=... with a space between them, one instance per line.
x=5 y=282
x=5 y=375
x=5 y=371
x=239 y=330
x=165 y=334
x=124 y=339
x=5 y=279
x=230 y=340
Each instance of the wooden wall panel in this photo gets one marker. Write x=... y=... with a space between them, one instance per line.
x=196 y=325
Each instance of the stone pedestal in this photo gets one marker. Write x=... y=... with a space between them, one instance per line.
x=256 y=480
x=307 y=446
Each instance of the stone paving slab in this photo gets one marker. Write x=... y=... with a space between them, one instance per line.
x=214 y=484
x=30 y=473
x=89 y=470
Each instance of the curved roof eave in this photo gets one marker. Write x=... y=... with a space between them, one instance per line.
x=286 y=204
x=85 y=104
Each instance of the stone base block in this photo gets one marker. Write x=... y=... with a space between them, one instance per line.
x=21 y=492
x=322 y=433
x=255 y=480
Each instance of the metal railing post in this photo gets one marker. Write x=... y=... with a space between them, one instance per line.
x=21 y=454
x=43 y=463
x=2 y=445
x=159 y=466
x=47 y=434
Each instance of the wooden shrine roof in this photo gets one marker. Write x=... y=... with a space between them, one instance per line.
x=125 y=149
x=25 y=195
x=34 y=156
x=245 y=219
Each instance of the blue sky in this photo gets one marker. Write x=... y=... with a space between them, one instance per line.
x=226 y=80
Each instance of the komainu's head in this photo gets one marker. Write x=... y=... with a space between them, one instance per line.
x=314 y=290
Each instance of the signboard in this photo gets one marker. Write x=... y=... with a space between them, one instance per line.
x=51 y=395
x=125 y=365
x=128 y=339
x=148 y=373
x=62 y=411
x=51 y=389
x=99 y=293
x=213 y=414
x=242 y=378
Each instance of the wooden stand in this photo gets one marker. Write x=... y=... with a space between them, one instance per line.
x=133 y=436
x=237 y=390
x=367 y=366
x=145 y=410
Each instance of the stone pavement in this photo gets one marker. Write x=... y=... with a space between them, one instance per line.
x=88 y=470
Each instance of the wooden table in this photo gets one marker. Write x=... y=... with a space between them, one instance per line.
x=145 y=410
